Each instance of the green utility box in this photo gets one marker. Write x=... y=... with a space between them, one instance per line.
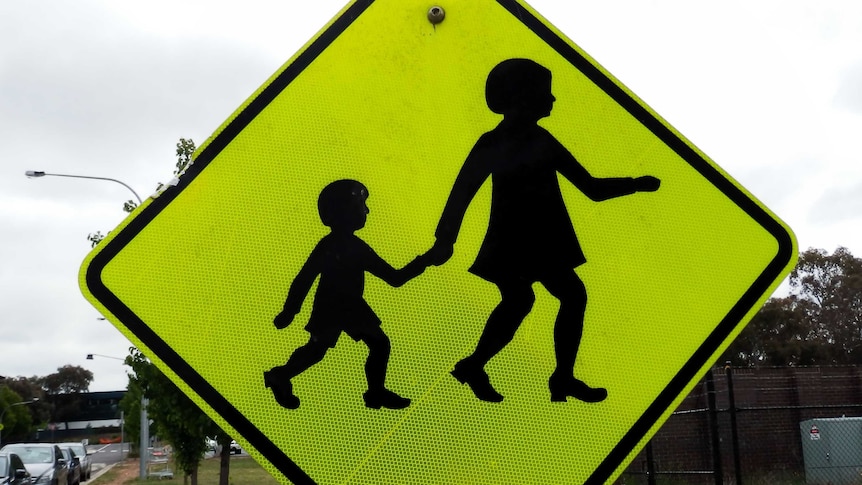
x=832 y=450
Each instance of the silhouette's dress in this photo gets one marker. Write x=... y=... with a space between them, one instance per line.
x=530 y=232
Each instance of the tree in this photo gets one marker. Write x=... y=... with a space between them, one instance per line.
x=177 y=418
x=21 y=421
x=16 y=420
x=63 y=390
x=68 y=379
x=818 y=323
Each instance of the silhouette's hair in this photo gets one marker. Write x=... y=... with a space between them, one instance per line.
x=515 y=83
x=336 y=198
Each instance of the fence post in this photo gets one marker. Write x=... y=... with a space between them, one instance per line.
x=650 y=463
x=717 y=467
x=734 y=436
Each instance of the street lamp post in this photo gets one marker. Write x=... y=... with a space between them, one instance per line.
x=37 y=174
x=145 y=424
x=3 y=414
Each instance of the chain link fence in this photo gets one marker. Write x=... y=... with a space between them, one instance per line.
x=760 y=426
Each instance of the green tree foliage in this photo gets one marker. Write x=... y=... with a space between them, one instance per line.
x=22 y=421
x=68 y=379
x=818 y=323
x=177 y=419
x=95 y=238
x=185 y=151
x=16 y=420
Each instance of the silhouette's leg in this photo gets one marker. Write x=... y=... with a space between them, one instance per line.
x=516 y=302
x=278 y=378
x=514 y=306
x=568 y=330
x=377 y=395
x=379 y=349
x=302 y=359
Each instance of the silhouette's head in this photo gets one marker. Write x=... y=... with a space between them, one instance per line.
x=519 y=86
x=341 y=205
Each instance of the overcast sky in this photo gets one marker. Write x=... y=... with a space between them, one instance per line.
x=770 y=90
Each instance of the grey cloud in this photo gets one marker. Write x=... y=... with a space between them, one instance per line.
x=88 y=88
x=838 y=204
x=849 y=93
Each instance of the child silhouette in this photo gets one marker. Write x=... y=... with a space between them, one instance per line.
x=341 y=259
x=530 y=237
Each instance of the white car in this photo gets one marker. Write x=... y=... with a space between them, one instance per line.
x=84 y=457
x=234 y=448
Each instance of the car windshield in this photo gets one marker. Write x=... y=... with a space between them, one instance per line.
x=32 y=454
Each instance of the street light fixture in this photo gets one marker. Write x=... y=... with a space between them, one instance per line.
x=90 y=357
x=38 y=174
x=3 y=414
x=145 y=424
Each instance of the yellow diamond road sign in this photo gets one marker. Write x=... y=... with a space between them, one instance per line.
x=441 y=246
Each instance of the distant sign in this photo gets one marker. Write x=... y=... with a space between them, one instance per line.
x=583 y=263
x=815 y=433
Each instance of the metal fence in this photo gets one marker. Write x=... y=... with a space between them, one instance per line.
x=775 y=426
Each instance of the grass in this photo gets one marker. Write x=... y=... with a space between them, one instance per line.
x=243 y=471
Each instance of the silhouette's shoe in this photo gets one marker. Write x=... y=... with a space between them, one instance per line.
x=282 y=391
x=384 y=398
x=477 y=379
x=563 y=388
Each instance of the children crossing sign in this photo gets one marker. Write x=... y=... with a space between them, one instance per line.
x=441 y=245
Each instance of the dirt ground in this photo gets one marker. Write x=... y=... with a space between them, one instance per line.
x=125 y=472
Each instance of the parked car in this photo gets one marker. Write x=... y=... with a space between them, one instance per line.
x=12 y=470
x=83 y=456
x=44 y=461
x=234 y=448
x=73 y=463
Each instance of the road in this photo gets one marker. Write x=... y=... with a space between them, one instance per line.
x=103 y=455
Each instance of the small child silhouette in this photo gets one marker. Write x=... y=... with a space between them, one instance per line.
x=341 y=259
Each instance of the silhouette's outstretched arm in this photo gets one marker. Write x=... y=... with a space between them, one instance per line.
x=299 y=290
x=599 y=189
x=395 y=277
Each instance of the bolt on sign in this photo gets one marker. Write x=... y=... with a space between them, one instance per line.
x=441 y=245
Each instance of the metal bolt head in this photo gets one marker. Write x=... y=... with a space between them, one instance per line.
x=436 y=14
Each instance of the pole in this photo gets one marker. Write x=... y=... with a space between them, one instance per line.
x=650 y=460
x=717 y=467
x=145 y=438
x=122 y=431
x=734 y=435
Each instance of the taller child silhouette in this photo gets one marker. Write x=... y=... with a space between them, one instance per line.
x=530 y=237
